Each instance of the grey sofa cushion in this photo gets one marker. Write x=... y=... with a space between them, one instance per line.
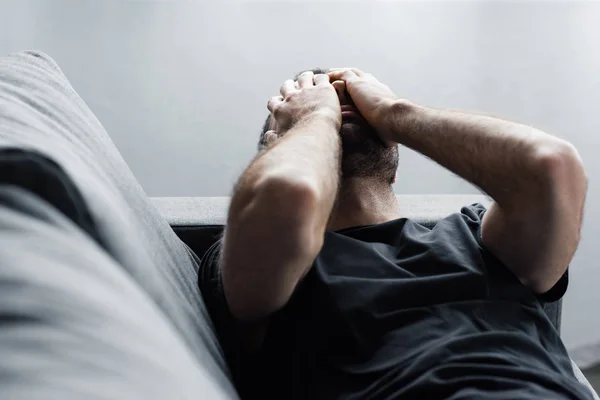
x=54 y=149
x=74 y=323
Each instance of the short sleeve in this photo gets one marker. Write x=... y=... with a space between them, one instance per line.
x=557 y=291
x=474 y=214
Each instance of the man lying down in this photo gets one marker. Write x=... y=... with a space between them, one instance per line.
x=321 y=289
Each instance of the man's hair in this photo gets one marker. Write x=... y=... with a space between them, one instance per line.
x=262 y=142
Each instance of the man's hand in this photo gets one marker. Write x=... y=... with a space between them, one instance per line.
x=371 y=97
x=311 y=96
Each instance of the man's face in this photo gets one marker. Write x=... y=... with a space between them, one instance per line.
x=363 y=153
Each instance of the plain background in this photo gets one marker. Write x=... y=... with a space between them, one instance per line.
x=182 y=87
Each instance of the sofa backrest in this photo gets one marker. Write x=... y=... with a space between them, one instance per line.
x=199 y=221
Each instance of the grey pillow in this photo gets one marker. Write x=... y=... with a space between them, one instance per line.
x=98 y=296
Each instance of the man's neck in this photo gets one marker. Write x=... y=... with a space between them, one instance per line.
x=363 y=202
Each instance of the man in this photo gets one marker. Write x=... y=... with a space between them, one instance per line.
x=320 y=289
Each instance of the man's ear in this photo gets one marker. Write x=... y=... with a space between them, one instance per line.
x=395 y=177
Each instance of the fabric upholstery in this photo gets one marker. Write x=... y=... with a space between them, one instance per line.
x=202 y=211
x=55 y=151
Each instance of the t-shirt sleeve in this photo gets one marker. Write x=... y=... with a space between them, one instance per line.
x=474 y=215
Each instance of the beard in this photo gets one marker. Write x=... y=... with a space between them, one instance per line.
x=364 y=155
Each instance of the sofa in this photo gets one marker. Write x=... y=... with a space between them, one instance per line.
x=98 y=282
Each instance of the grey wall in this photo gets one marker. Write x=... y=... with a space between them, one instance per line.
x=182 y=86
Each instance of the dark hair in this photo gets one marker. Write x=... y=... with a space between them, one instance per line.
x=262 y=142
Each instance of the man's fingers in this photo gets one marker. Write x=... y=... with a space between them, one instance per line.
x=287 y=88
x=321 y=79
x=345 y=75
x=305 y=79
x=274 y=102
x=356 y=71
x=340 y=88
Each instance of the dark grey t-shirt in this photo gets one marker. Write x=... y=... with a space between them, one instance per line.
x=398 y=310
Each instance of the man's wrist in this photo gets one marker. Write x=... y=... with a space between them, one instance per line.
x=323 y=121
x=328 y=118
x=397 y=116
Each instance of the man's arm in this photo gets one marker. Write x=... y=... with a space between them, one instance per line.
x=281 y=204
x=537 y=180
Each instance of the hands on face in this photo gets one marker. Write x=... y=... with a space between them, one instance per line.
x=311 y=96
x=372 y=98
x=314 y=96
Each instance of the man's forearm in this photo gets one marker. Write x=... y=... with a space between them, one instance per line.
x=504 y=159
x=277 y=219
x=308 y=154
x=281 y=204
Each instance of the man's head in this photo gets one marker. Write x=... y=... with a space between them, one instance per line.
x=364 y=155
